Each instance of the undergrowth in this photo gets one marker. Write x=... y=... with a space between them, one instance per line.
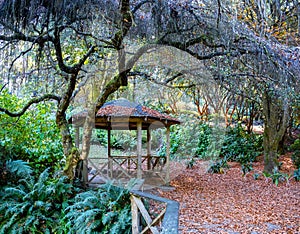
x=48 y=204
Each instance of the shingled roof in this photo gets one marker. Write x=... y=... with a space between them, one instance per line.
x=123 y=114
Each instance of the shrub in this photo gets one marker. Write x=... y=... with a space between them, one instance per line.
x=238 y=146
x=203 y=140
x=296 y=154
x=218 y=166
x=34 y=206
x=49 y=205
x=106 y=210
x=276 y=176
x=12 y=171
x=297 y=174
x=34 y=137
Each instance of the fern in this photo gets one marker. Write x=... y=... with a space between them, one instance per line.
x=19 y=167
x=35 y=207
x=106 y=210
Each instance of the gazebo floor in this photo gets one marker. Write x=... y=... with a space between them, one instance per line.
x=149 y=180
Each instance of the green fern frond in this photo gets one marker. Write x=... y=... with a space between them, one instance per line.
x=7 y=226
x=14 y=192
x=44 y=176
x=27 y=183
x=29 y=221
x=19 y=167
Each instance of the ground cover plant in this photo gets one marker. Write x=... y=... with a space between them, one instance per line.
x=53 y=205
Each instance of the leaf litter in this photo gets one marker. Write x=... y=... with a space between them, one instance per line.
x=232 y=203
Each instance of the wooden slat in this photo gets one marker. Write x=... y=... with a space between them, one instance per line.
x=135 y=217
x=158 y=218
x=121 y=168
x=145 y=214
x=170 y=215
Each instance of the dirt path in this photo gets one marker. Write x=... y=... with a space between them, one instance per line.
x=231 y=203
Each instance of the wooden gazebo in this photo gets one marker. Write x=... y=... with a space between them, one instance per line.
x=122 y=114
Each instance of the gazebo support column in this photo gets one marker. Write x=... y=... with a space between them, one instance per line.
x=77 y=136
x=168 y=156
x=109 y=153
x=148 y=149
x=139 y=150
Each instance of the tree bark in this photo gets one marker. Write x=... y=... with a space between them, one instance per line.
x=276 y=114
x=70 y=151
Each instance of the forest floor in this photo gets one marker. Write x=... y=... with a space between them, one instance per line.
x=232 y=203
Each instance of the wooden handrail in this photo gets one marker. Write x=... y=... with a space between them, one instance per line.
x=169 y=216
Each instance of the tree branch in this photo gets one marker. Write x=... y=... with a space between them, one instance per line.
x=164 y=83
x=31 y=102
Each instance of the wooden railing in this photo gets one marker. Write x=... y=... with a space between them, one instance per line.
x=124 y=165
x=164 y=222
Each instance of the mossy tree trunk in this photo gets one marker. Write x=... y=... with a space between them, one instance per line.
x=70 y=150
x=276 y=113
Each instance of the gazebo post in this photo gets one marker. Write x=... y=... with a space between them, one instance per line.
x=109 y=152
x=168 y=155
x=77 y=136
x=148 y=148
x=139 y=149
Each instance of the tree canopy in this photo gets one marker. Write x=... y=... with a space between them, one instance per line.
x=248 y=48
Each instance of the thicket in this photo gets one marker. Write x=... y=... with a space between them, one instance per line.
x=34 y=196
x=33 y=137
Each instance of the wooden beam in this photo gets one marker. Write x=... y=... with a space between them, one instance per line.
x=139 y=149
x=148 y=148
x=168 y=155
x=145 y=214
x=135 y=216
x=109 y=153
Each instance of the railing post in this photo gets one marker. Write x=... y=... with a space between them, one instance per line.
x=169 y=216
x=135 y=217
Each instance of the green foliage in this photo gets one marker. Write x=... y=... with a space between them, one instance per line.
x=188 y=139
x=33 y=137
x=101 y=136
x=124 y=140
x=256 y=176
x=241 y=147
x=296 y=154
x=106 y=210
x=233 y=145
x=241 y=144
x=297 y=174
x=277 y=176
x=12 y=171
x=218 y=166
x=203 y=140
x=19 y=168
x=49 y=205
x=34 y=206
x=190 y=163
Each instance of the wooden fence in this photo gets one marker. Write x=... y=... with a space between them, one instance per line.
x=166 y=221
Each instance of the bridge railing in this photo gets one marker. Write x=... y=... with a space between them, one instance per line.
x=166 y=221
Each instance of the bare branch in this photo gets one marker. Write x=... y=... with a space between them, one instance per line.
x=164 y=83
x=31 y=102
x=2 y=88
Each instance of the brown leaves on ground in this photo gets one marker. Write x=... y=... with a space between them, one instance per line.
x=232 y=203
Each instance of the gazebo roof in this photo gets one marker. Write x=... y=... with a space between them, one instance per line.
x=122 y=114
